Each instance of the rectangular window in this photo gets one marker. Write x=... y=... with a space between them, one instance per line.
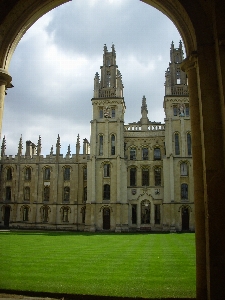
x=67 y=173
x=101 y=145
x=157 y=154
x=134 y=213
x=8 y=193
x=145 y=177
x=183 y=169
x=27 y=193
x=101 y=113
x=157 y=213
x=184 y=191
x=187 y=111
x=113 y=112
x=106 y=192
x=107 y=170
x=133 y=172
x=157 y=173
x=175 y=110
x=145 y=153
x=132 y=154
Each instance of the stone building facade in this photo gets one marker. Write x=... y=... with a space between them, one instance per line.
x=135 y=177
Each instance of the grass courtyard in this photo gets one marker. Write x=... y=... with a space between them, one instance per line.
x=124 y=265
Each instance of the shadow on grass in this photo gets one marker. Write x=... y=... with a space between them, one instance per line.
x=17 y=294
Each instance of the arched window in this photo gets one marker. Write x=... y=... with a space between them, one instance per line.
x=183 y=169
x=113 y=147
x=188 y=144
x=157 y=174
x=133 y=175
x=44 y=213
x=66 y=173
x=8 y=193
x=47 y=173
x=157 y=154
x=27 y=173
x=145 y=212
x=46 y=193
x=145 y=177
x=66 y=194
x=184 y=191
x=25 y=212
x=27 y=193
x=9 y=174
x=177 y=144
x=106 y=192
x=65 y=214
x=106 y=170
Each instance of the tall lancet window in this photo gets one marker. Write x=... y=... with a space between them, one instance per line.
x=101 y=145
x=189 y=143
x=177 y=144
x=113 y=148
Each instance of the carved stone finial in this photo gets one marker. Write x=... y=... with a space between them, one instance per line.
x=51 y=150
x=3 y=146
x=20 y=146
x=39 y=146
x=58 y=145
x=78 y=145
x=68 y=151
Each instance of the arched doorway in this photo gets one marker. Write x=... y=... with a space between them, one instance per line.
x=185 y=218
x=106 y=218
x=7 y=216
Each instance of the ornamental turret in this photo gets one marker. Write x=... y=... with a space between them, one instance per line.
x=175 y=78
x=110 y=85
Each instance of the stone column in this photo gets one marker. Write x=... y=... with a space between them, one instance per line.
x=189 y=66
x=5 y=80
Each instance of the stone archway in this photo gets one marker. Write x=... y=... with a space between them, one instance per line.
x=202 y=27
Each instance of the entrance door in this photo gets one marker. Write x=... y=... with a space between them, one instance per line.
x=106 y=218
x=7 y=216
x=185 y=218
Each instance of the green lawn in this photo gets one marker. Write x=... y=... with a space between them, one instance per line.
x=141 y=265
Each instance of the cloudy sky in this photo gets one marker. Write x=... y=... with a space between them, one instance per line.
x=54 y=65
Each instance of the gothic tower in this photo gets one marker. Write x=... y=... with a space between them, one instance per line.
x=178 y=191
x=106 y=168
